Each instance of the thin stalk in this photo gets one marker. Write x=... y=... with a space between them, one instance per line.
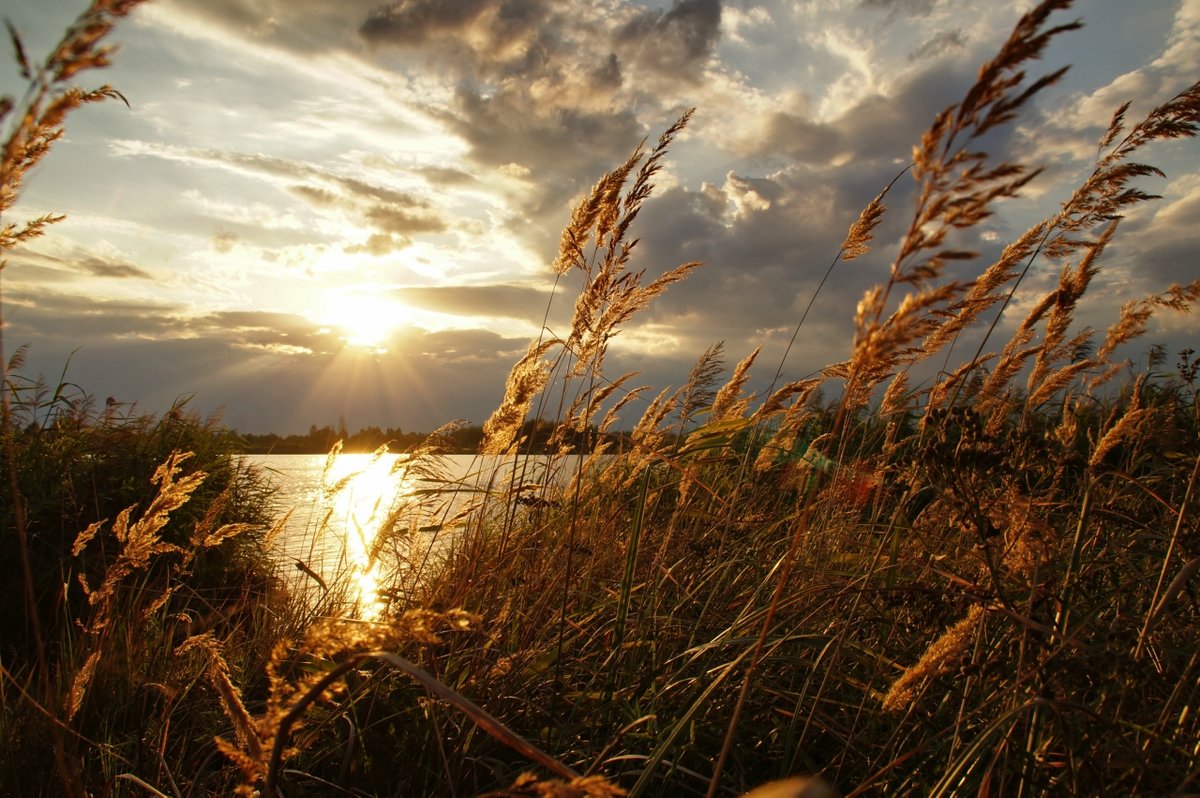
x=1154 y=609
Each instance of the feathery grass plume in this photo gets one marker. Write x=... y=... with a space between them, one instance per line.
x=612 y=295
x=783 y=441
x=880 y=347
x=895 y=398
x=1067 y=430
x=727 y=404
x=1105 y=194
x=957 y=188
x=604 y=203
x=1029 y=540
x=982 y=292
x=584 y=407
x=786 y=396
x=698 y=391
x=942 y=657
x=612 y=299
x=49 y=100
x=858 y=238
x=944 y=390
x=1132 y=423
x=232 y=704
x=79 y=684
x=1134 y=316
x=649 y=437
x=1050 y=384
x=994 y=395
x=526 y=380
x=139 y=542
x=1072 y=284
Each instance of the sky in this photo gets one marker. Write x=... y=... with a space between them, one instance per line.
x=313 y=211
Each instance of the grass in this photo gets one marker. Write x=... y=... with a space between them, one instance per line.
x=981 y=586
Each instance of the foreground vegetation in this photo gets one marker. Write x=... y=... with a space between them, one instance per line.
x=984 y=585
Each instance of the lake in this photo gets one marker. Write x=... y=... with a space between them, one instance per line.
x=339 y=505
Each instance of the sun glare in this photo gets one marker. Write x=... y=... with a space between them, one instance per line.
x=367 y=490
x=365 y=321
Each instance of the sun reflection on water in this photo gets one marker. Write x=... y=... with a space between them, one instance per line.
x=363 y=490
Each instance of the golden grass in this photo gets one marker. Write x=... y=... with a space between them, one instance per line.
x=981 y=584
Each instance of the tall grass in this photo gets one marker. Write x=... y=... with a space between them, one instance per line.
x=984 y=585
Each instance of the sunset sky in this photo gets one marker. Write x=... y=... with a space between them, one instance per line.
x=317 y=209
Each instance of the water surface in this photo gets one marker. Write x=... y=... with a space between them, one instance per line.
x=358 y=519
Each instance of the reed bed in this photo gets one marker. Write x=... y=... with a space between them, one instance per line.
x=984 y=585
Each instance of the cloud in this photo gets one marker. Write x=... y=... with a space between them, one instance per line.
x=912 y=8
x=272 y=371
x=875 y=127
x=379 y=244
x=103 y=267
x=676 y=43
x=1155 y=246
x=419 y=21
x=301 y=25
x=263 y=329
x=389 y=210
x=224 y=241
x=1175 y=66
x=68 y=262
x=491 y=301
x=40 y=316
x=445 y=176
x=938 y=45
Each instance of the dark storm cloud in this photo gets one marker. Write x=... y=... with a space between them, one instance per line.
x=875 y=127
x=675 y=43
x=401 y=221
x=503 y=301
x=507 y=127
x=412 y=22
x=54 y=268
x=482 y=40
x=39 y=315
x=1158 y=249
x=396 y=211
x=560 y=89
x=380 y=244
x=564 y=150
x=107 y=267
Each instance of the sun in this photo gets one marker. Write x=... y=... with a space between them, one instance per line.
x=365 y=321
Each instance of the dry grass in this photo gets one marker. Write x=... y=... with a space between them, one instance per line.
x=981 y=585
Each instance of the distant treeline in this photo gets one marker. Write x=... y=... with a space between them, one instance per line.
x=460 y=440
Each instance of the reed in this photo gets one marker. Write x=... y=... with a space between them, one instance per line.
x=978 y=585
